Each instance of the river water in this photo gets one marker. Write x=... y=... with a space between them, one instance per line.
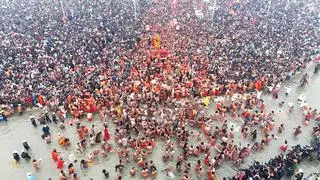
x=19 y=128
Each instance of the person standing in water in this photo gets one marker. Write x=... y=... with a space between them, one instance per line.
x=45 y=130
x=60 y=163
x=25 y=155
x=33 y=122
x=297 y=131
x=106 y=133
x=25 y=145
x=30 y=176
x=54 y=118
x=36 y=164
x=16 y=156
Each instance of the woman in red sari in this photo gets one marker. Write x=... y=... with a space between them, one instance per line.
x=106 y=133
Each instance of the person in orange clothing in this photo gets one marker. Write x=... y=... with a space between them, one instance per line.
x=258 y=85
x=210 y=173
x=80 y=132
x=40 y=100
x=157 y=41
x=69 y=98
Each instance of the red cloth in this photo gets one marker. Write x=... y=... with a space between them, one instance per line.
x=209 y=173
x=85 y=130
x=54 y=156
x=94 y=109
x=283 y=148
x=80 y=132
x=163 y=53
x=29 y=100
x=60 y=164
x=106 y=134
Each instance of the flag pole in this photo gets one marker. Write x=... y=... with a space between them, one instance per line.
x=269 y=7
x=135 y=9
x=214 y=9
x=64 y=14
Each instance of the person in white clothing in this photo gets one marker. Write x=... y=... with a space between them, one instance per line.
x=288 y=90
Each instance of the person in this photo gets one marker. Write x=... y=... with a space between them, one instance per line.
x=254 y=135
x=83 y=164
x=42 y=119
x=178 y=165
x=199 y=168
x=36 y=164
x=284 y=147
x=80 y=132
x=105 y=173
x=301 y=98
x=89 y=117
x=297 y=131
x=20 y=109
x=47 y=117
x=106 y=133
x=3 y=117
x=16 y=156
x=152 y=169
x=60 y=163
x=169 y=171
x=74 y=176
x=304 y=80
x=98 y=137
x=299 y=174
x=63 y=141
x=45 y=130
x=120 y=166
x=145 y=172
x=288 y=90
x=25 y=155
x=25 y=145
x=291 y=107
x=79 y=147
x=33 y=122
x=47 y=138
x=30 y=176
x=74 y=65
x=54 y=155
x=92 y=139
x=71 y=169
x=62 y=126
x=133 y=171
x=63 y=175
x=54 y=118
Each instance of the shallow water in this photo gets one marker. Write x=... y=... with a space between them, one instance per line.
x=19 y=128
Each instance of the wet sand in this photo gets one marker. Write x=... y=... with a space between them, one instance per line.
x=19 y=128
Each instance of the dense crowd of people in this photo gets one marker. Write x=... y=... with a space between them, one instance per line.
x=285 y=165
x=95 y=47
x=148 y=74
